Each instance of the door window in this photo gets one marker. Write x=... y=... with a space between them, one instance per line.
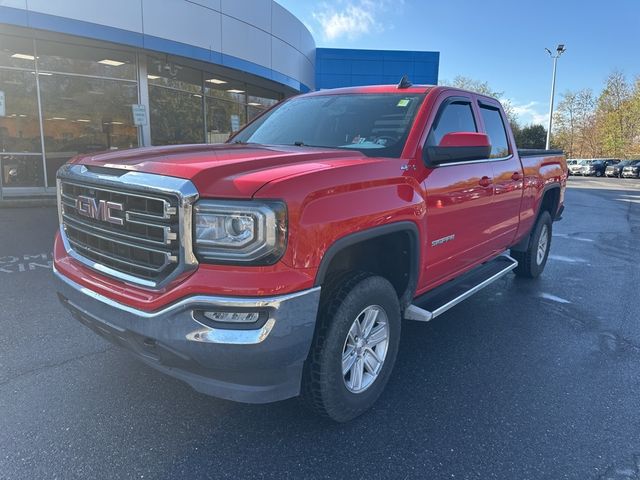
x=456 y=116
x=494 y=126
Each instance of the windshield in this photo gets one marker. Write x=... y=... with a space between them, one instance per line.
x=375 y=124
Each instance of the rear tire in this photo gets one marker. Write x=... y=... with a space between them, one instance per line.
x=360 y=310
x=531 y=262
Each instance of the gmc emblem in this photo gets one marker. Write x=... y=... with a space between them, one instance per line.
x=101 y=210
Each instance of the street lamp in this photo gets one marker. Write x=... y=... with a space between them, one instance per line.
x=559 y=51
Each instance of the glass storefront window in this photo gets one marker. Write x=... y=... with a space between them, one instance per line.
x=163 y=73
x=21 y=171
x=175 y=102
x=84 y=60
x=226 y=107
x=260 y=100
x=20 y=145
x=16 y=52
x=84 y=115
x=223 y=118
x=20 y=125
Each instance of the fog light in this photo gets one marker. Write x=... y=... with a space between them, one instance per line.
x=232 y=317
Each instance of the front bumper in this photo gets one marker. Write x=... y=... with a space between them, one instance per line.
x=247 y=365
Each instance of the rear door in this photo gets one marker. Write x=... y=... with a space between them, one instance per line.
x=458 y=197
x=508 y=177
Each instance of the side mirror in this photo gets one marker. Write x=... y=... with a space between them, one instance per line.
x=459 y=147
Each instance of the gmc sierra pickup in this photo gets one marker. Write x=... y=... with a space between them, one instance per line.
x=282 y=262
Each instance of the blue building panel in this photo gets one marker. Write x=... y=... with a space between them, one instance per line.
x=366 y=67
x=337 y=67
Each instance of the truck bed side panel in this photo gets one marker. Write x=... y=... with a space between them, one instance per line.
x=540 y=174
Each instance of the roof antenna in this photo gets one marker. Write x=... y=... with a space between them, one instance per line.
x=404 y=83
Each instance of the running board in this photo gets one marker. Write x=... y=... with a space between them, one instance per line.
x=439 y=300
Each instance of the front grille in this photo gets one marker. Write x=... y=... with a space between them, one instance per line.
x=139 y=241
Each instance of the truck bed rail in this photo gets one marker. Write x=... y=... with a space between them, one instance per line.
x=534 y=152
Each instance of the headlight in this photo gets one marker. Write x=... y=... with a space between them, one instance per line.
x=240 y=231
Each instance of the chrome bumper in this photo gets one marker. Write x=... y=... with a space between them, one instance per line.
x=254 y=365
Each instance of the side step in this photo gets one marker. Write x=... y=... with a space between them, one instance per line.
x=428 y=306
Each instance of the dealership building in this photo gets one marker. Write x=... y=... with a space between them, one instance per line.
x=81 y=76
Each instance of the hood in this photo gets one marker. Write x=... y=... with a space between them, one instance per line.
x=225 y=170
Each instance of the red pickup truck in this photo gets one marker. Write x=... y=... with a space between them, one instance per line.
x=282 y=262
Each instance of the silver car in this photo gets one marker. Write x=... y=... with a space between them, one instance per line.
x=576 y=168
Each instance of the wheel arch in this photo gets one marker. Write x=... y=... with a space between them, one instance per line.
x=549 y=202
x=346 y=248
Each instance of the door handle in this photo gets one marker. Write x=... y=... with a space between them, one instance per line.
x=516 y=176
x=485 y=182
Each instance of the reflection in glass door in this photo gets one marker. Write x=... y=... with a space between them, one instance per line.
x=21 y=163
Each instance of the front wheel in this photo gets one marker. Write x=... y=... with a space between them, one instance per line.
x=531 y=262
x=354 y=349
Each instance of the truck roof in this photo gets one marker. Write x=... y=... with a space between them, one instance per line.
x=393 y=89
x=374 y=89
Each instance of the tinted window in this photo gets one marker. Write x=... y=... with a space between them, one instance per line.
x=175 y=103
x=84 y=115
x=495 y=129
x=69 y=58
x=375 y=124
x=455 y=117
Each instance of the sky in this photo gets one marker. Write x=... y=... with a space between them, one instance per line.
x=501 y=42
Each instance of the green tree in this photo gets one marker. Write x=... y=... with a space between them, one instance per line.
x=531 y=136
x=615 y=114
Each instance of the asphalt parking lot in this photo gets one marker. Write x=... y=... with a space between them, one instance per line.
x=525 y=380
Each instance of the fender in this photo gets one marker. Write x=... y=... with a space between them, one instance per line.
x=523 y=244
x=344 y=242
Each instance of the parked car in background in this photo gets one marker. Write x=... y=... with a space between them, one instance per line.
x=570 y=162
x=576 y=168
x=596 y=168
x=616 y=170
x=632 y=170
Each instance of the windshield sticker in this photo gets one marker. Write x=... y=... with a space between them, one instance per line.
x=404 y=102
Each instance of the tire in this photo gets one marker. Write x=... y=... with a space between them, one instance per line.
x=325 y=389
x=598 y=174
x=531 y=262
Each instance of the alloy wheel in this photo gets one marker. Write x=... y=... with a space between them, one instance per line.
x=543 y=244
x=365 y=349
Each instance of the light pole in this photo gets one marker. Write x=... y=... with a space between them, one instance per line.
x=559 y=51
